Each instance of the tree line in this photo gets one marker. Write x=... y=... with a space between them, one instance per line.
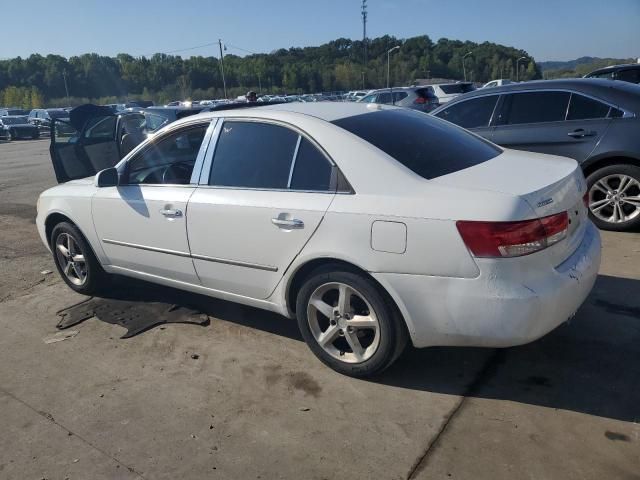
x=338 y=65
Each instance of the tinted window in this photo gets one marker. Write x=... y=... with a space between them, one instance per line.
x=425 y=93
x=169 y=160
x=58 y=113
x=312 y=170
x=422 y=143
x=602 y=75
x=536 y=107
x=457 y=88
x=615 y=113
x=631 y=75
x=582 y=108
x=472 y=113
x=253 y=155
x=101 y=127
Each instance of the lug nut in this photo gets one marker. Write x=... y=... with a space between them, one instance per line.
x=333 y=323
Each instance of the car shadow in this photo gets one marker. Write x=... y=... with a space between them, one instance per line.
x=589 y=365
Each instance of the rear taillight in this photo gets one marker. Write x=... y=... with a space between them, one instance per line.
x=420 y=100
x=513 y=239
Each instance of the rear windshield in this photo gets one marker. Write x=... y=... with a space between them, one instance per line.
x=427 y=145
x=457 y=88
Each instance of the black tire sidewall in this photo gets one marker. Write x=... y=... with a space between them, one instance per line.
x=623 y=169
x=94 y=270
x=389 y=330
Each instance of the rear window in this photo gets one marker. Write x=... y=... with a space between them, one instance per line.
x=457 y=88
x=424 y=144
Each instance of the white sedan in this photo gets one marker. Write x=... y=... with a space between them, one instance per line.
x=371 y=225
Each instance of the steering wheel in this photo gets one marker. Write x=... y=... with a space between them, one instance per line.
x=176 y=173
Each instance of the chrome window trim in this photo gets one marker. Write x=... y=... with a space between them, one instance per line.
x=204 y=147
x=193 y=256
x=293 y=161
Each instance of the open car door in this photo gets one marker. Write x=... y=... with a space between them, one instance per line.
x=85 y=144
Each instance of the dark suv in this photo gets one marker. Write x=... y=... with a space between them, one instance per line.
x=596 y=122
x=626 y=73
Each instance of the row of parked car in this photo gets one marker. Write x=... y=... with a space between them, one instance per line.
x=594 y=120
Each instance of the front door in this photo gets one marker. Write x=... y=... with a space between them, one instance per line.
x=141 y=223
x=263 y=198
x=553 y=122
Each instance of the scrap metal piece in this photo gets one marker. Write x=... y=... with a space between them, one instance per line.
x=136 y=317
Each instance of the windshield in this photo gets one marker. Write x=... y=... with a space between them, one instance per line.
x=457 y=88
x=14 y=120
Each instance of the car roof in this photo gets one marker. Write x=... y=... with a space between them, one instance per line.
x=328 y=111
x=623 y=94
x=612 y=68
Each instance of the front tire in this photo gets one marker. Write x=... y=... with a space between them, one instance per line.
x=75 y=261
x=614 y=197
x=349 y=323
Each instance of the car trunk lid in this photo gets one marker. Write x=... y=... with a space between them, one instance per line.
x=548 y=184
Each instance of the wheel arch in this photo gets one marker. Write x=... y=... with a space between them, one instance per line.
x=594 y=165
x=302 y=272
x=55 y=218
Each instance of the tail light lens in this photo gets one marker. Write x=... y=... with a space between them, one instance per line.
x=420 y=100
x=513 y=239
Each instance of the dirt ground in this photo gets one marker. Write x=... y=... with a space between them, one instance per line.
x=226 y=391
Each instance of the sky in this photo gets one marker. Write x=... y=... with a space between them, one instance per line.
x=546 y=29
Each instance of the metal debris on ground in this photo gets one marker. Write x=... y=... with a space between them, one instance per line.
x=45 y=272
x=135 y=316
x=60 y=336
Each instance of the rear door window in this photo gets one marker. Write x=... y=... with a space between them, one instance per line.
x=583 y=108
x=472 y=113
x=253 y=155
x=424 y=144
x=535 y=107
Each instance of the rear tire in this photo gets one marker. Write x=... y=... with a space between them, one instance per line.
x=349 y=322
x=614 y=197
x=75 y=260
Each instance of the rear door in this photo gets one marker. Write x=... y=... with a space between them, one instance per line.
x=79 y=151
x=475 y=114
x=553 y=122
x=262 y=199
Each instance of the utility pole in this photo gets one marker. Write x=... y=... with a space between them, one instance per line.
x=518 y=68
x=397 y=47
x=464 y=68
x=224 y=83
x=66 y=88
x=364 y=30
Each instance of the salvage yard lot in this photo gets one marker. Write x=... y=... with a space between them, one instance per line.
x=242 y=397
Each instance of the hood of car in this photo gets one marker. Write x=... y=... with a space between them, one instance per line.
x=79 y=116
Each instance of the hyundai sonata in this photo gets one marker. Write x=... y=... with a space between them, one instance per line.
x=373 y=225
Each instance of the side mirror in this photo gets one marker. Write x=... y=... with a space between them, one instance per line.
x=107 y=178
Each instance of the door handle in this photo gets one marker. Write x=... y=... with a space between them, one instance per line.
x=170 y=212
x=580 y=133
x=287 y=224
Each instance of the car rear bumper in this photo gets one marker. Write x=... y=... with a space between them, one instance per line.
x=495 y=310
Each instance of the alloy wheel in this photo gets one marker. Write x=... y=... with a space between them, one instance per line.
x=71 y=259
x=343 y=322
x=615 y=198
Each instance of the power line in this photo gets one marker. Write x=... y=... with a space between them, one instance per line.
x=199 y=46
